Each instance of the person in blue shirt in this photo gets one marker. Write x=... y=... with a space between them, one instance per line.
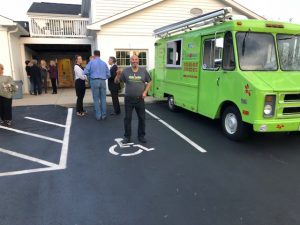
x=98 y=72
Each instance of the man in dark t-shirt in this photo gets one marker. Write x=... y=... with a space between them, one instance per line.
x=138 y=83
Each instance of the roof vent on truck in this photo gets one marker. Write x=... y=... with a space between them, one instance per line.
x=212 y=17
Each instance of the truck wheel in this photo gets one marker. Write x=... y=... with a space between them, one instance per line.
x=171 y=104
x=233 y=126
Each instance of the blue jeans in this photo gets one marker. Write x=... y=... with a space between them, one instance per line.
x=98 y=87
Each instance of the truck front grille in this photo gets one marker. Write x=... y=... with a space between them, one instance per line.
x=292 y=97
x=291 y=110
x=288 y=105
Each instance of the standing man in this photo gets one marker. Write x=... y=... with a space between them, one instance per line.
x=138 y=83
x=112 y=86
x=98 y=73
x=35 y=73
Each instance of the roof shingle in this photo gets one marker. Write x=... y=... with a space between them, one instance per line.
x=54 y=8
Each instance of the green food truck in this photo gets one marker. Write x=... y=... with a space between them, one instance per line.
x=244 y=72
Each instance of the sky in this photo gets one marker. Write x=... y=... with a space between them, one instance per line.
x=281 y=10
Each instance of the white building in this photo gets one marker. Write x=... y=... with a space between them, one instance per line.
x=116 y=28
x=10 y=33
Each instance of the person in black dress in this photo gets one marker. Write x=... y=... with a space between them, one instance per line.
x=80 y=79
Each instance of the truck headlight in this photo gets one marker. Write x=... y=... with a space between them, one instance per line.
x=269 y=107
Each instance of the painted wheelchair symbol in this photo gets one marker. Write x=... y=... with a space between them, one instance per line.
x=140 y=148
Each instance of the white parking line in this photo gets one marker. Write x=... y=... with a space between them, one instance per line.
x=196 y=146
x=44 y=121
x=29 y=158
x=32 y=134
x=50 y=166
x=13 y=173
x=65 y=146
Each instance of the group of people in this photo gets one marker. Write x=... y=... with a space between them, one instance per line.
x=136 y=79
x=38 y=76
x=137 y=84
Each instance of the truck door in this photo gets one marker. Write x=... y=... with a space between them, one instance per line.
x=210 y=74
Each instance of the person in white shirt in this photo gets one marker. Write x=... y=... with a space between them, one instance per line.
x=80 y=79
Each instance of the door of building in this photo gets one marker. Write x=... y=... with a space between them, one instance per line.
x=65 y=73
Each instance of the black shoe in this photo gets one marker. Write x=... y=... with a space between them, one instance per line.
x=113 y=114
x=126 y=140
x=7 y=123
x=142 y=140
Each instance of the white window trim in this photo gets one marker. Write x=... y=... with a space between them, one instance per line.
x=131 y=53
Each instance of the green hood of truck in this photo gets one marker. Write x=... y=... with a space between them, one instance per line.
x=274 y=81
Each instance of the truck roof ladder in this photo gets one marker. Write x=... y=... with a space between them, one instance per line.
x=202 y=20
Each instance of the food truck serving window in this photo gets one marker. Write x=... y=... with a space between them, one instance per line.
x=174 y=53
x=256 y=51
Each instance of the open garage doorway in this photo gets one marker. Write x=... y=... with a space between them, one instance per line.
x=64 y=56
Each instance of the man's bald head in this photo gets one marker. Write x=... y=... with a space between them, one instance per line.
x=134 y=61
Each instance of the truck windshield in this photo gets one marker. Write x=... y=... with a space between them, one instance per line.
x=256 y=51
x=289 y=51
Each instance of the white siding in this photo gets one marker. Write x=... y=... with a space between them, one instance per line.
x=109 y=44
x=4 y=56
x=167 y=12
x=103 y=9
x=136 y=31
x=17 y=61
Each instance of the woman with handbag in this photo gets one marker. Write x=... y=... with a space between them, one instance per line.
x=7 y=89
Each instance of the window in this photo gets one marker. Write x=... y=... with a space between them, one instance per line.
x=123 y=57
x=289 y=51
x=174 y=53
x=212 y=54
x=228 y=53
x=256 y=51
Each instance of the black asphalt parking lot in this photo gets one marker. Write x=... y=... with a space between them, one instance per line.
x=255 y=182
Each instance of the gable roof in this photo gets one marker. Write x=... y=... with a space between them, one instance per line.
x=54 y=8
x=245 y=10
x=4 y=21
x=97 y=25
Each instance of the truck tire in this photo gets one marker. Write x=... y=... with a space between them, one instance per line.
x=233 y=126
x=171 y=104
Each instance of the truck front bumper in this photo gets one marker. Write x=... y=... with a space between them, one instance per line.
x=278 y=125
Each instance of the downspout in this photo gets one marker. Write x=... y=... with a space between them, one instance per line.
x=10 y=52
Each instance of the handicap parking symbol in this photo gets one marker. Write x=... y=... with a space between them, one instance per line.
x=139 y=148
